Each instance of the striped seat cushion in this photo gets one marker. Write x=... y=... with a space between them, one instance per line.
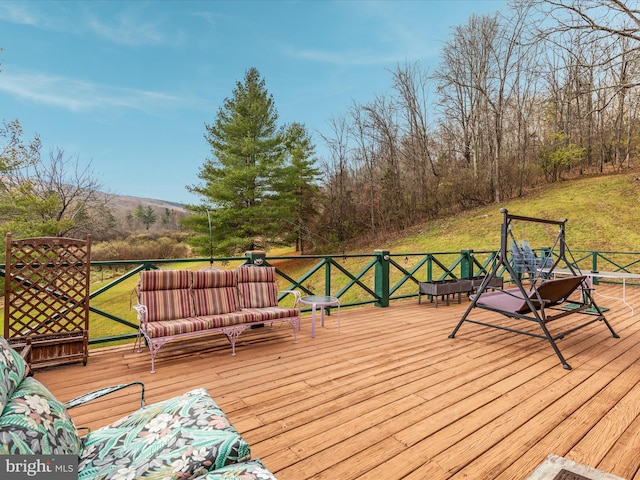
x=228 y=319
x=270 y=313
x=166 y=294
x=257 y=287
x=197 y=324
x=215 y=292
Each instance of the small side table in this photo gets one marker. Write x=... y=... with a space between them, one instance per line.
x=320 y=301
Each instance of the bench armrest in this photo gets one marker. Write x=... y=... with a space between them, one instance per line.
x=142 y=312
x=296 y=296
x=87 y=397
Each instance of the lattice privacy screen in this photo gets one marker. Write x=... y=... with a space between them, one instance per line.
x=47 y=297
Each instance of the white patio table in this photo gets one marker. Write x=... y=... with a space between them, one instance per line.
x=320 y=301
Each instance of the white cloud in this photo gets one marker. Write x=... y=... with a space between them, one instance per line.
x=126 y=26
x=126 y=30
x=81 y=96
x=19 y=13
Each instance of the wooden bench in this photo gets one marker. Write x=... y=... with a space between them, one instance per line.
x=179 y=303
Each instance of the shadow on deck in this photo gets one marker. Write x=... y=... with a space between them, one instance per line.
x=391 y=397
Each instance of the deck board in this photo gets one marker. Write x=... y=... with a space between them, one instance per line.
x=391 y=396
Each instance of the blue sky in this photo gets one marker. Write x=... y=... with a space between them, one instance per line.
x=130 y=85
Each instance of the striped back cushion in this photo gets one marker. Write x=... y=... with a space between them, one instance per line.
x=215 y=292
x=257 y=287
x=166 y=294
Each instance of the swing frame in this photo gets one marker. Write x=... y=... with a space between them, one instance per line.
x=530 y=305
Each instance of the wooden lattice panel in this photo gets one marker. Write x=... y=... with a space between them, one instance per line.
x=47 y=297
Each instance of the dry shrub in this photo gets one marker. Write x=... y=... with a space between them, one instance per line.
x=143 y=247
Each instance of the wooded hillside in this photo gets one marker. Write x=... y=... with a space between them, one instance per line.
x=541 y=92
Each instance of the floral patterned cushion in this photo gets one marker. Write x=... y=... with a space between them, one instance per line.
x=183 y=437
x=251 y=470
x=34 y=423
x=12 y=370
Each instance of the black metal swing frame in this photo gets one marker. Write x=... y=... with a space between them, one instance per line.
x=541 y=303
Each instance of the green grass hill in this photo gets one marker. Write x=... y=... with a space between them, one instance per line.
x=603 y=214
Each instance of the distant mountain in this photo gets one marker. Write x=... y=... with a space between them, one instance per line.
x=124 y=203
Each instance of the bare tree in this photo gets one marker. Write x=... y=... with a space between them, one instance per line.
x=385 y=133
x=461 y=77
x=598 y=42
x=365 y=161
x=421 y=175
x=338 y=213
x=478 y=79
x=63 y=195
x=611 y=17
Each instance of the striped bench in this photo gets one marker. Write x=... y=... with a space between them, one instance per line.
x=179 y=303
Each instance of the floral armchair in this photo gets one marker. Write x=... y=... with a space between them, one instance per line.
x=184 y=437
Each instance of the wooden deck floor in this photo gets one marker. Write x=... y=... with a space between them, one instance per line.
x=391 y=397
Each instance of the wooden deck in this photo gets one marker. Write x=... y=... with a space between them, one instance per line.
x=392 y=397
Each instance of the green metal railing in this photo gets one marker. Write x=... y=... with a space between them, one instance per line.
x=356 y=279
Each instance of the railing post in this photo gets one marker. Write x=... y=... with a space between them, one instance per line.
x=327 y=277
x=382 y=278
x=594 y=266
x=429 y=267
x=466 y=264
x=256 y=257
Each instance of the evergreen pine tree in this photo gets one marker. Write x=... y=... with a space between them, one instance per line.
x=247 y=182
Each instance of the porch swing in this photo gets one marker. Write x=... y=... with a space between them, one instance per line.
x=545 y=299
